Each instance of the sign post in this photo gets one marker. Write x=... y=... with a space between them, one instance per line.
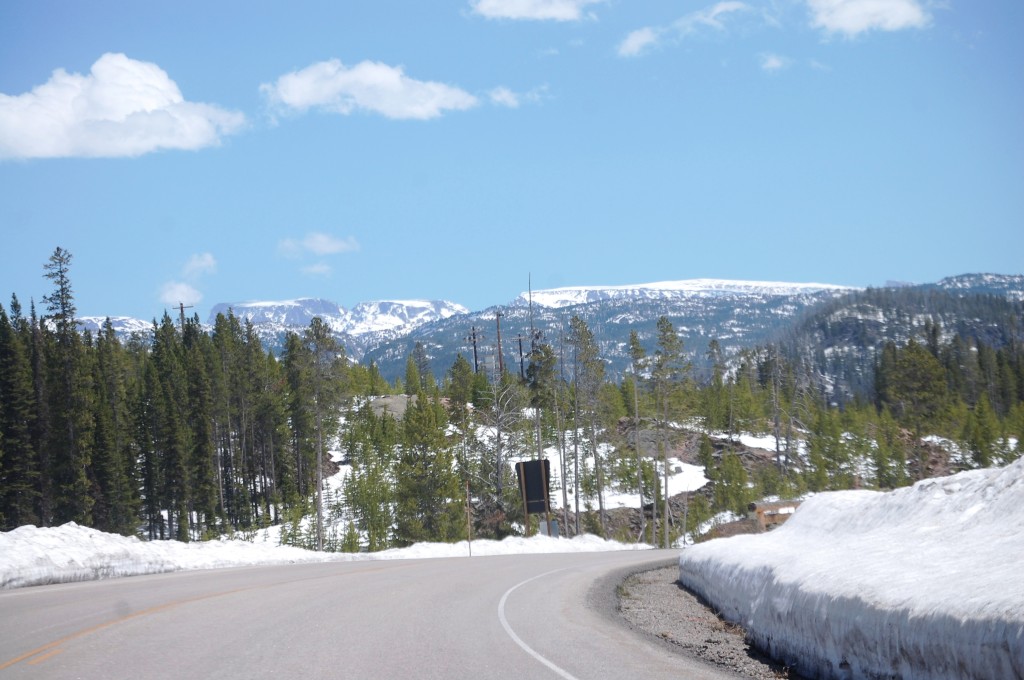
x=533 y=485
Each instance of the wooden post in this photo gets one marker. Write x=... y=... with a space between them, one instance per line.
x=521 y=470
x=547 y=505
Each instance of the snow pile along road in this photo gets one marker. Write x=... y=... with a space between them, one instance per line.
x=921 y=582
x=32 y=556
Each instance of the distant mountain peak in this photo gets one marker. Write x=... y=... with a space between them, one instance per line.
x=576 y=295
x=366 y=317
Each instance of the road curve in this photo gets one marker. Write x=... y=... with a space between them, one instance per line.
x=515 y=616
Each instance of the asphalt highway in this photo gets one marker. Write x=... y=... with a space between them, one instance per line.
x=514 y=616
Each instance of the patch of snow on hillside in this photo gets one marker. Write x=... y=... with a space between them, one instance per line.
x=919 y=582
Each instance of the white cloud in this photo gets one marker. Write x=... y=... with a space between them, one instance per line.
x=710 y=17
x=185 y=292
x=502 y=96
x=317 y=243
x=324 y=244
x=852 y=17
x=638 y=41
x=369 y=86
x=773 y=62
x=543 y=10
x=199 y=264
x=644 y=39
x=178 y=292
x=123 y=107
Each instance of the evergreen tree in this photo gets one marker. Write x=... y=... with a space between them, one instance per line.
x=69 y=444
x=171 y=436
x=113 y=464
x=730 y=486
x=981 y=432
x=327 y=375
x=18 y=460
x=588 y=374
x=428 y=492
x=668 y=370
x=413 y=382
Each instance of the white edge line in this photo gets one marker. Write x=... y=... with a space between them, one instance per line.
x=515 y=638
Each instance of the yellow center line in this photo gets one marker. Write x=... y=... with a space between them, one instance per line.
x=50 y=649
x=44 y=657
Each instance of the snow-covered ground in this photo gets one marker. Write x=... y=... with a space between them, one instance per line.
x=920 y=582
x=35 y=556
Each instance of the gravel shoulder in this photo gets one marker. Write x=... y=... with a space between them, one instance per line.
x=653 y=602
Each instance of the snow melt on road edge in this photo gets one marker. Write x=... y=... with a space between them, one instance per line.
x=919 y=582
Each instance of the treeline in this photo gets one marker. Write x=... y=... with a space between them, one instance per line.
x=187 y=433
x=843 y=337
x=184 y=433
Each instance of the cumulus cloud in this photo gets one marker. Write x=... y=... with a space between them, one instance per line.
x=368 y=86
x=649 y=37
x=503 y=96
x=638 y=41
x=851 y=17
x=773 y=63
x=174 y=293
x=317 y=243
x=200 y=264
x=540 y=10
x=123 y=107
x=185 y=292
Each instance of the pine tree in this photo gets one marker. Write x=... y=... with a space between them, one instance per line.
x=412 y=377
x=981 y=432
x=326 y=375
x=69 y=444
x=18 y=460
x=171 y=437
x=588 y=374
x=668 y=369
x=113 y=460
x=428 y=491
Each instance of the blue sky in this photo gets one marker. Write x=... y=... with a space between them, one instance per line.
x=206 y=152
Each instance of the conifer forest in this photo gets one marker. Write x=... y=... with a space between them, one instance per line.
x=191 y=432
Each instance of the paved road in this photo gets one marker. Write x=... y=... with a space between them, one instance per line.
x=522 y=616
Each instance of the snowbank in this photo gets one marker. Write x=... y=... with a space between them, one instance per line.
x=921 y=582
x=36 y=556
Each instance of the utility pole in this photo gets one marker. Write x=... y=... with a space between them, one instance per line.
x=472 y=339
x=522 y=368
x=501 y=360
x=181 y=312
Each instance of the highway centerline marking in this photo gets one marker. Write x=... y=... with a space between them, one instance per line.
x=515 y=638
x=50 y=649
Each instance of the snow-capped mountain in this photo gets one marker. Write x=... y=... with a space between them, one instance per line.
x=281 y=314
x=365 y=325
x=364 y=318
x=1010 y=286
x=391 y=315
x=827 y=322
x=556 y=298
x=122 y=325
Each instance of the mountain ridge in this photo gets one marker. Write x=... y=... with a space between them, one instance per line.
x=736 y=314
